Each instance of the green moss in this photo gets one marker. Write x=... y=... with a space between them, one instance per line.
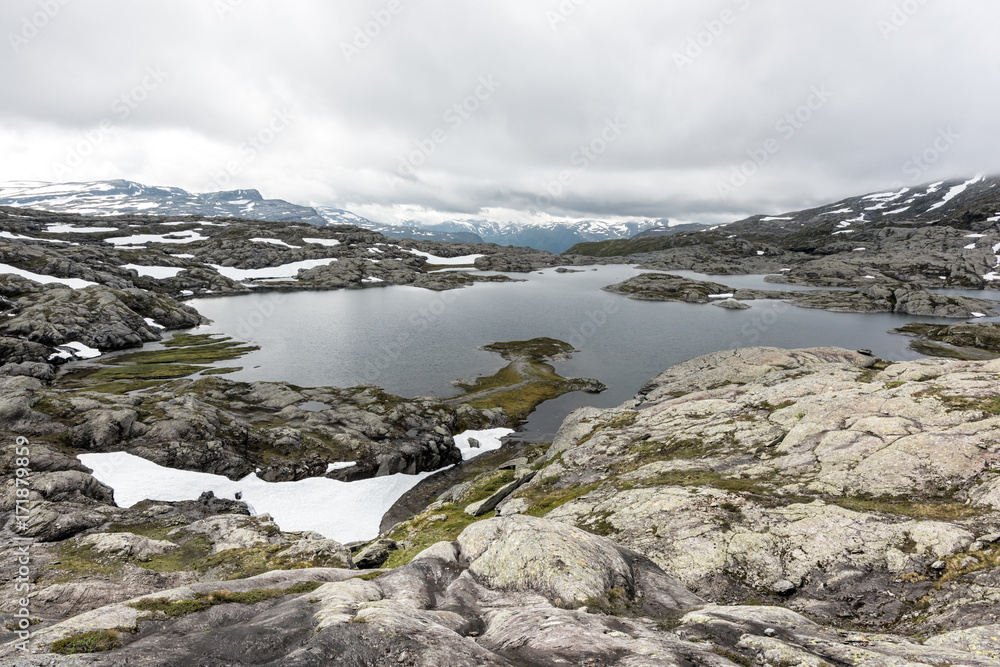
x=420 y=533
x=96 y=641
x=222 y=371
x=614 y=602
x=77 y=561
x=546 y=496
x=183 y=355
x=525 y=383
x=733 y=656
x=538 y=349
x=701 y=478
x=934 y=510
x=489 y=484
x=202 y=601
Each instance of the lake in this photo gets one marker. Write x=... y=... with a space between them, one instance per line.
x=414 y=342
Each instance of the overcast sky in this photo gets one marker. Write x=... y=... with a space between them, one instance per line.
x=670 y=100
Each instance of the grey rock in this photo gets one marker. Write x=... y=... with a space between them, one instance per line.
x=375 y=554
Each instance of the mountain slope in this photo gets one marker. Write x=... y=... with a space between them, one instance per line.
x=120 y=197
x=553 y=236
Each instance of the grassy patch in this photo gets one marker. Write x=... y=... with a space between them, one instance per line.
x=525 y=383
x=183 y=355
x=420 y=533
x=79 y=561
x=614 y=602
x=701 y=478
x=942 y=510
x=97 y=641
x=538 y=349
x=222 y=371
x=682 y=449
x=546 y=496
x=202 y=601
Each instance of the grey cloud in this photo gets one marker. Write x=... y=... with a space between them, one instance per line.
x=694 y=112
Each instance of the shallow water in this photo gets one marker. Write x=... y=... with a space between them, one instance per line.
x=414 y=342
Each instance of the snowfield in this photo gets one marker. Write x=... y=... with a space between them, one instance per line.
x=342 y=511
x=284 y=271
x=75 y=283
x=154 y=271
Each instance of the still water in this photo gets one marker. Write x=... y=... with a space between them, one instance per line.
x=414 y=342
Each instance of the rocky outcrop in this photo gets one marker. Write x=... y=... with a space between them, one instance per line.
x=895 y=298
x=816 y=478
x=508 y=591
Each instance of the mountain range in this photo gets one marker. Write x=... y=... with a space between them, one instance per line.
x=122 y=197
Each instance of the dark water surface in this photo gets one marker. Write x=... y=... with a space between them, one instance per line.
x=413 y=342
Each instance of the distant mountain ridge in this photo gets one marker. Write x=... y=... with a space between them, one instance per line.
x=122 y=197
x=553 y=236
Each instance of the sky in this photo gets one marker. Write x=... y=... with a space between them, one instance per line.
x=526 y=110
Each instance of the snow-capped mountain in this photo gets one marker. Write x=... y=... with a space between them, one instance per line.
x=969 y=199
x=337 y=216
x=552 y=236
x=121 y=197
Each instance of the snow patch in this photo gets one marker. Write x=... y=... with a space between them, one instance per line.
x=74 y=350
x=446 y=261
x=342 y=511
x=151 y=322
x=189 y=236
x=284 y=271
x=70 y=229
x=954 y=192
x=326 y=242
x=489 y=440
x=274 y=242
x=75 y=283
x=154 y=271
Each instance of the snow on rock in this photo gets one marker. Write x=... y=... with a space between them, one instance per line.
x=342 y=511
x=326 y=242
x=274 y=242
x=151 y=322
x=954 y=192
x=721 y=296
x=978 y=314
x=75 y=283
x=971 y=246
x=283 y=271
x=154 y=271
x=772 y=219
x=74 y=350
x=18 y=237
x=70 y=229
x=372 y=279
x=340 y=465
x=189 y=236
x=446 y=261
x=489 y=440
